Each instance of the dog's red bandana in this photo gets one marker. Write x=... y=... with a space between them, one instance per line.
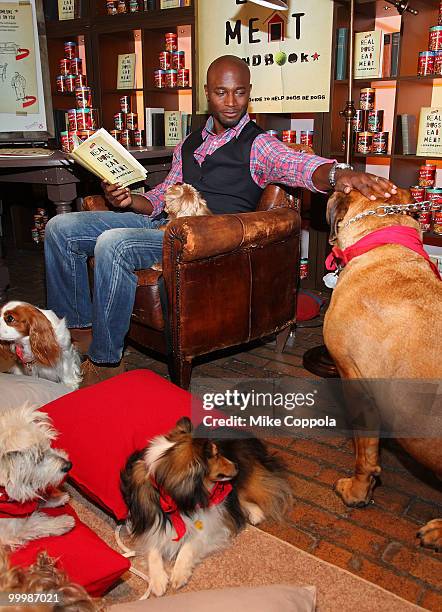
x=20 y=354
x=395 y=234
x=168 y=505
x=10 y=508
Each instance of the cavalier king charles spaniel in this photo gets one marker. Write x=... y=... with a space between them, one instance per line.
x=40 y=344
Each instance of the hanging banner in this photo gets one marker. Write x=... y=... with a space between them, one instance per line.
x=288 y=52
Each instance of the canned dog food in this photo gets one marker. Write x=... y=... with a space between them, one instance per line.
x=435 y=38
x=178 y=60
x=375 y=122
x=440 y=13
x=183 y=77
x=69 y=83
x=437 y=222
x=80 y=81
x=360 y=122
x=119 y=121
x=59 y=83
x=418 y=193
x=367 y=99
x=83 y=97
x=380 y=143
x=94 y=118
x=111 y=7
x=84 y=120
x=171 y=78
x=160 y=78
x=424 y=219
x=426 y=63
x=72 y=139
x=427 y=175
x=70 y=49
x=116 y=134
x=125 y=138
x=171 y=41
x=72 y=119
x=65 y=66
x=165 y=60
x=138 y=138
x=434 y=196
x=76 y=66
x=121 y=6
x=84 y=134
x=133 y=6
x=125 y=105
x=272 y=133
x=64 y=139
x=438 y=62
x=289 y=136
x=306 y=137
x=364 y=142
x=131 y=121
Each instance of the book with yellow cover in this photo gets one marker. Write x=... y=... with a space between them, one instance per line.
x=368 y=54
x=429 y=139
x=105 y=157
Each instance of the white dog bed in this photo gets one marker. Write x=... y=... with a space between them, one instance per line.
x=16 y=390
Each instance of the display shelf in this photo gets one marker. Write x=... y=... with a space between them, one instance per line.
x=432 y=239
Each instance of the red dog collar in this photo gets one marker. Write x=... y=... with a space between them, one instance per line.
x=396 y=234
x=14 y=509
x=168 y=505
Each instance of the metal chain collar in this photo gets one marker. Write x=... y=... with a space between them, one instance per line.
x=396 y=209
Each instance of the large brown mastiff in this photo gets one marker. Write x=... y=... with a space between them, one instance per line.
x=385 y=322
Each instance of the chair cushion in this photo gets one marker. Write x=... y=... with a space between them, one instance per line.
x=84 y=557
x=101 y=425
x=16 y=390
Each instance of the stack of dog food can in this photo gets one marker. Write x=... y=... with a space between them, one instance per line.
x=425 y=190
x=368 y=126
x=172 y=71
x=119 y=7
x=38 y=230
x=430 y=60
x=290 y=137
x=125 y=128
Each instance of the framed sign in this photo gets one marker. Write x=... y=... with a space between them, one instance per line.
x=25 y=99
x=288 y=52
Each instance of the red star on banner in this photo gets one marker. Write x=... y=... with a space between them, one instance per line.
x=315 y=57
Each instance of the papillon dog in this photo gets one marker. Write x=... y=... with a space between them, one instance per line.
x=40 y=344
x=188 y=496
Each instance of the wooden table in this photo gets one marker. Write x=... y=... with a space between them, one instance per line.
x=61 y=174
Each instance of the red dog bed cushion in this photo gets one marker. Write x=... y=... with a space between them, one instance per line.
x=83 y=556
x=101 y=425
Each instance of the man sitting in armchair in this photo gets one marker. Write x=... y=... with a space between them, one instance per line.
x=230 y=161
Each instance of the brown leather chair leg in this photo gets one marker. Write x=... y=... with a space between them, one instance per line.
x=281 y=339
x=180 y=372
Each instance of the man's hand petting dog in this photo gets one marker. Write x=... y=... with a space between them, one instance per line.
x=371 y=186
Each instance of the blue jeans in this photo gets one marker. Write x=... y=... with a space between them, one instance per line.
x=121 y=243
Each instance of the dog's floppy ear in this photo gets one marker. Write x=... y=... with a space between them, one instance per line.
x=23 y=428
x=337 y=207
x=184 y=425
x=42 y=338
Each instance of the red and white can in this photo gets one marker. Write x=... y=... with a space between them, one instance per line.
x=178 y=60
x=427 y=175
x=171 y=78
x=116 y=134
x=80 y=80
x=375 y=122
x=70 y=49
x=121 y=6
x=59 y=83
x=72 y=135
x=364 y=142
x=64 y=142
x=84 y=120
x=160 y=78
x=435 y=38
x=111 y=7
x=76 y=66
x=434 y=196
x=131 y=121
x=367 y=98
x=360 y=121
x=424 y=219
x=84 y=134
x=306 y=137
x=183 y=77
x=171 y=41
x=426 y=64
x=93 y=112
x=440 y=13
x=125 y=105
x=165 y=60
x=65 y=66
x=83 y=97
x=72 y=119
x=380 y=143
x=119 y=121
x=138 y=138
x=289 y=136
x=418 y=193
x=437 y=222
x=125 y=138
x=69 y=83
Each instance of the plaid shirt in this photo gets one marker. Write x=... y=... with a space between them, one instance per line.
x=270 y=162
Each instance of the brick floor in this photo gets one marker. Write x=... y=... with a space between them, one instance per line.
x=377 y=542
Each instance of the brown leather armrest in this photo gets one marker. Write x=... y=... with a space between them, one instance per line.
x=196 y=238
x=95 y=203
x=276 y=196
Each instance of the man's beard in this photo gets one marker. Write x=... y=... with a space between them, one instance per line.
x=230 y=123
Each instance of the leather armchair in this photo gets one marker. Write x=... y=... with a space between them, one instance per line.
x=226 y=280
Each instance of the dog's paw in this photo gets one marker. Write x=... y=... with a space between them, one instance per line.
x=62 y=524
x=60 y=499
x=430 y=535
x=180 y=575
x=158 y=583
x=254 y=513
x=355 y=493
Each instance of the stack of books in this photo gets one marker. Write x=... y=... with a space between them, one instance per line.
x=166 y=128
x=376 y=54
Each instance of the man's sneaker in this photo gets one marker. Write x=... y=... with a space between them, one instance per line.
x=94 y=373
